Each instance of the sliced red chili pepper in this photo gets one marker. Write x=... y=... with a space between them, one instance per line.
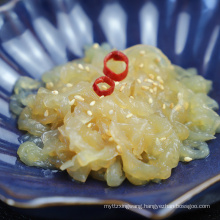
x=104 y=79
x=119 y=56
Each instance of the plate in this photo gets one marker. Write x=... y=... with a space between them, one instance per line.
x=38 y=35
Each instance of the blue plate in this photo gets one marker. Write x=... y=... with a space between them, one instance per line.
x=38 y=35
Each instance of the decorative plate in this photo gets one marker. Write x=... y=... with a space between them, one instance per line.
x=38 y=35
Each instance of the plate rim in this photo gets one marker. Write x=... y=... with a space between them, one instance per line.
x=54 y=201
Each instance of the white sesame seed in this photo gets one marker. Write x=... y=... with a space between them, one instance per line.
x=95 y=46
x=101 y=96
x=150 y=100
x=158 y=141
x=142 y=52
x=72 y=102
x=151 y=91
x=121 y=88
x=89 y=113
x=141 y=65
x=46 y=113
x=158 y=59
x=80 y=66
x=179 y=95
x=79 y=98
x=111 y=112
x=155 y=89
x=129 y=115
x=151 y=76
x=92 y=103
x=69 y=85
x=116 y=83
x=111 y=139
x=50 y=84
x=161 y=87
x=87 y=68
x=145 y=87
x=55 y=92
x=186 y=105
x=108 y=133
x=149 y=80
x=187 y=159
x=132 y=97
x=164 y=106
x=163 y=139
x=171 y=105
x=139 y=81
x=177 y=107
x=89 y=125
x=118 y=147
x=160 y=79
x=104 y=87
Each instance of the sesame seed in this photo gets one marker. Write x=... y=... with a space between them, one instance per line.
x=179 y=95
x=89 y=125
x=80 y=66
x=155 y=84
x=116 y=83
x=150 y=100
x=108 y=133
x=111 y=139
x=163 y=139
x=160 y=79
x=187 y=159
x=145 y=87
x=157 y=141
x=171 y=105
x=186 y=105
x=158 y=59
x=72 y=102
x=161 y=87
x=79 y=98
x=46 y=113
x=142 y=52
x=177 y=107
x=50 y=85
x=151 y=76
x=104 y=136
x=151 y=91
x=155 y=89
x=149 y=80
x=132 y=97
x=129 y=115
x=55 y=92
x=87 y=68
x=95 y=46
x=104 y=87
x=111 y=112
x=141 y=65
x=92 y=103
x=164 y=106
x=122 y=88
x=89 y=113
x=139 y=81
x=101 y=96
x=69 y=85
x=118 y=147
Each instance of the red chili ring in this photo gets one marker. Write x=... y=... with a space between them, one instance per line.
x=119 y=56
x=106 y=92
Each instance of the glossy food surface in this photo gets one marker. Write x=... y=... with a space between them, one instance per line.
x=38 y=35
